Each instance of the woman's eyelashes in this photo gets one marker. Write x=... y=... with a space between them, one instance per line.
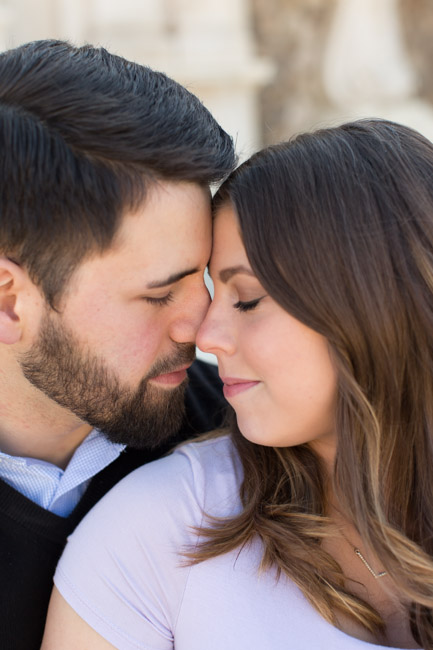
x=161 y=301
x=248 y=305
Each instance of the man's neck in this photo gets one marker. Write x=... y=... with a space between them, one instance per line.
x=32 y=425
x=52 y=447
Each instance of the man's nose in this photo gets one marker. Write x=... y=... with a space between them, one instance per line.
x=186 y=322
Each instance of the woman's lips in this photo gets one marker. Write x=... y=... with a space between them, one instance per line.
x=233 y=386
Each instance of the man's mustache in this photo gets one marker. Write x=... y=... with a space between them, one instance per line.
x=183 y=355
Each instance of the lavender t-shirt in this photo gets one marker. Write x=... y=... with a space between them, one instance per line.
x=124 y=574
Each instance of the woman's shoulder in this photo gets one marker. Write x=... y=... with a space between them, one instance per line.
x=123 y=570
x=190 y=461
x=215 y=473
x=197 y=477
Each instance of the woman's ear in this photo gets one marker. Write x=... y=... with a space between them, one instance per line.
x=13 y=291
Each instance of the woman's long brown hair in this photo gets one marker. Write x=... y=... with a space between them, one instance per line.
x=338 y=228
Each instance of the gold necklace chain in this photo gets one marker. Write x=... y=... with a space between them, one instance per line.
x=381 y=574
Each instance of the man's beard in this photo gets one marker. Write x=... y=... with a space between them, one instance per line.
x=145 y=417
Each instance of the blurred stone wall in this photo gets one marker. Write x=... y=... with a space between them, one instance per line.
x=293 y=34
x=417 y=26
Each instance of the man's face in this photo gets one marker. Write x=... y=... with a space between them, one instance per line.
x=117 y=351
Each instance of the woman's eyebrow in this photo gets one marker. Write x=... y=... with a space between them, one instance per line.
x=229 y=272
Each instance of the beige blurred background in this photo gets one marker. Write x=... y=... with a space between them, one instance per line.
x=266 y=68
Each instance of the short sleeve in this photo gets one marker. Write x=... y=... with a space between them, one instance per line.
x=122 y=570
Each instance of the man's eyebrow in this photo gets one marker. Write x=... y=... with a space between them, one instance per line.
x=228 y=273
x=175 y=277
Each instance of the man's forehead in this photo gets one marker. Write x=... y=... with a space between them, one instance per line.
x=157 y=245
x=168 y=209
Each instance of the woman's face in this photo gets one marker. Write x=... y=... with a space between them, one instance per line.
x=277 y=373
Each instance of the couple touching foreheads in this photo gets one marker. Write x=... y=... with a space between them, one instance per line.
x=303 y=519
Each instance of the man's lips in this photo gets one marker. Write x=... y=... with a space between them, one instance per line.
x=234 y=385
x=171 y=378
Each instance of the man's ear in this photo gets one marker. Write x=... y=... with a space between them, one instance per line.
x=14 y=285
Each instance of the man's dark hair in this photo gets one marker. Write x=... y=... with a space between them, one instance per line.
x=82 y=133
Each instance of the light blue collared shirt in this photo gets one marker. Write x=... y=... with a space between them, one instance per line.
x=55 y=489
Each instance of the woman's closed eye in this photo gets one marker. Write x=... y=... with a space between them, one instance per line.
x=247 y=305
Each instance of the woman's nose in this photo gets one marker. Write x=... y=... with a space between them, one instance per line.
x=214 y=334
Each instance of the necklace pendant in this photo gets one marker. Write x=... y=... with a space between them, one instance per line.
x=381 y=574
